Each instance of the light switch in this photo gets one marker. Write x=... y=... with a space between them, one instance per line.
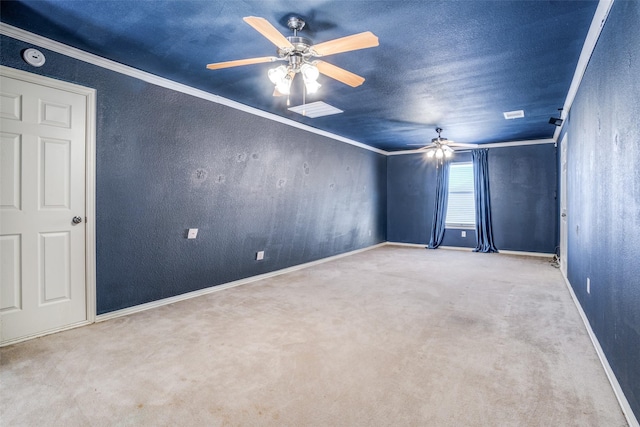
x=259 y=255
x=464 y=234
x=193 y=233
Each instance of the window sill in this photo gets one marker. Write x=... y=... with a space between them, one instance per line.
x=459 y=227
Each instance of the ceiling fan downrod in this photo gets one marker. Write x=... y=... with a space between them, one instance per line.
x=295 y=24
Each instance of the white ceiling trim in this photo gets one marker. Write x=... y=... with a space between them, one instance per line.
x=491 y=145
x=597 y=24
x=518 y=143
x=28 y=37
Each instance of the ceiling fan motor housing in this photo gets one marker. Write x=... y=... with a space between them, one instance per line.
x=299 y=53
x=300 y=44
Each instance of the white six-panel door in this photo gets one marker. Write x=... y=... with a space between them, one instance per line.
x=42 y=173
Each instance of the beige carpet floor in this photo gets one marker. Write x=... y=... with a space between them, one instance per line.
x=393 y=336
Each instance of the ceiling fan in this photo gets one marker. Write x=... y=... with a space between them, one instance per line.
x=299 y=54
x=442 y=147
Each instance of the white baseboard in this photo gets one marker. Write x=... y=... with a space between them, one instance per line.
x=459 y=248
x=410 y=245
x=456 y=248
x=205 y=291
x=47 y=332
x=424 y=246
x=617 y=390
x=522 y=253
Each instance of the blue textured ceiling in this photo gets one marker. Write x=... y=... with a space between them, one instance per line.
x=454 y=64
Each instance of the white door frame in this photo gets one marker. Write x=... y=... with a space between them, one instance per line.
x=90 y=184
x=564 y=243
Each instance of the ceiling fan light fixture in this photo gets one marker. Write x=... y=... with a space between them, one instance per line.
x=312 y=86
x=299 y=52
x=431 y=153
x=276 y=75
x=284 y=86
x=309 y=72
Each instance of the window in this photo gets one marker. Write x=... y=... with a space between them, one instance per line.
x=461 y=208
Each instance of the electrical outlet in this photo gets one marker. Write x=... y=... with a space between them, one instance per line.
x=259 y=255
x=193 y=233
x=588 y=285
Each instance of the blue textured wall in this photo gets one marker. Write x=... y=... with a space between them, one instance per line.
x=524 y=208
x=411 y=191
x=603 y=187
x=523 y=188
x=167 y=161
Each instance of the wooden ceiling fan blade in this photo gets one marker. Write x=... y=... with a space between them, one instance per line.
x=339 y=74
x=265 y=28
x=346 y=44
x=240 y=62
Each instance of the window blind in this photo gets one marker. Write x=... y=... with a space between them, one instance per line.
x=461 y=210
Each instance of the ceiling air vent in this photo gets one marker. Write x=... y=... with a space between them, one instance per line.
x=315 y=109
x=517 y=114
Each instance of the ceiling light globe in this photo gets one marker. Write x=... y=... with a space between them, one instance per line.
x=276 y=75
x=439 y=153
x=284 y=86
x=431 y=153
x=309 y=72
x=448 y=153
x=312 y=86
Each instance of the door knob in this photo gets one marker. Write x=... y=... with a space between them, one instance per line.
x=563 y=215
x=76 y=220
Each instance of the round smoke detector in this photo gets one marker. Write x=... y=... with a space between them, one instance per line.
x=33 y=57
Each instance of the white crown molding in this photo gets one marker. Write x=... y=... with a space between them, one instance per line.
x=597 y=24
x=518 y=143
x=490 y=145
x=72 y=52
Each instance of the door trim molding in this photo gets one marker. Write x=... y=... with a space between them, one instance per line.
x=563 y=225
x=90 y=185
